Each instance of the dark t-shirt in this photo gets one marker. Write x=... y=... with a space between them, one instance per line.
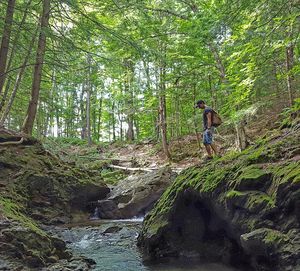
x=205 y=120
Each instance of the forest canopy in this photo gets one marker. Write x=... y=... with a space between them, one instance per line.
x=133 y=70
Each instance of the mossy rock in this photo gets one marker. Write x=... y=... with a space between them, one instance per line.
x=263 y=241
x=255 y=189
x=254 y=178
x=252 y=201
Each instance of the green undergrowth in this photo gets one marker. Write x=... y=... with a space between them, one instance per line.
x=291 y=115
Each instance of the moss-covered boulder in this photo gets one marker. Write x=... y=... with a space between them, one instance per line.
x=37 y=188
x=241 y=209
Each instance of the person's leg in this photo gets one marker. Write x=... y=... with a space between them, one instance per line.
x=207 y=142
x=208 y=149
x=215 y=148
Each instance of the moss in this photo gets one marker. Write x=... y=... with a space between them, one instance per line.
x=287 y=172
x=230 y=156
x=274 y=237
x=214 y=177
x=252 y=172
x=259 y=199
x=157 y=225
x=112 y=176
x=251 y=200
x=14 y=211
x=234 y=193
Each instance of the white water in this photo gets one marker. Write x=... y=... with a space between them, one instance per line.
x=118 y=251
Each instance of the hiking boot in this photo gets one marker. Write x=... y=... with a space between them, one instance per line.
x=207 y=158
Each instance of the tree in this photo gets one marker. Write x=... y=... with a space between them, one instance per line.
x=32 y=107
x=5 y=41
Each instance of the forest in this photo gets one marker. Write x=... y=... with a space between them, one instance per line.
x=102 y=164
x=133 y=70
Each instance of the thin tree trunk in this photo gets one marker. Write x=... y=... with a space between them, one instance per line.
x=137 y=128
x=12 y=54
x=83 y=112
x=157 y=112
x=213 y=94
x=120 y=121
x=99 y=119
x=289 y=76
x=241 y=136
x=113 y=120
x=163 y=109
x=88 y=103
x=129 y=100
x=163 y=124
x=194 y=115
x=5 y=94
x=219 y=62
x=289 y=60
x=18 y=80
x=32 y=107
x=5 y=40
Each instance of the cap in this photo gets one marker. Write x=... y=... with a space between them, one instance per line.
x=198 y=103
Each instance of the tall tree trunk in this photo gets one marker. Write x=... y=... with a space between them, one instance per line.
x=120 y=121
x=32 y=107
x=163 y=124
x=99 y=119
x=18 y=80
x=5 y=40
x=137 y=128
x=88 y=115
x=195 y=115
x=113 y=120
x=157 y=112
x=219 y=62
x=213 y=93
x=129 y=100
x=12 y=54
x=5 y=94
x=83 y=113
x=289 y=59
x=163 y=109
x=88 y=102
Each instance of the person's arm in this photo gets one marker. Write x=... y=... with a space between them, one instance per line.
x=209 y=120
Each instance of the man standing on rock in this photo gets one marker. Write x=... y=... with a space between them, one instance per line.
x=208 y=126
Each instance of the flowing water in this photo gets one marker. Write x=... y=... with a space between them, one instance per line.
x=112 y=244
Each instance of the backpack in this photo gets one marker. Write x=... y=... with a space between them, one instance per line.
x=216 y=119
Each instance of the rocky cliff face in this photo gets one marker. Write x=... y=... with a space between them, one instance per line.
x=242 y=209
x=37 y=188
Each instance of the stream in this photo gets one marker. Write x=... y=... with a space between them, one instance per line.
x=112 y=245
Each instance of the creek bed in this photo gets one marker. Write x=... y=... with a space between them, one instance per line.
x=112 y=245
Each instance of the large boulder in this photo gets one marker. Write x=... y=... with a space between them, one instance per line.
x=242 y=209
x=135 y=195
x=36 y=187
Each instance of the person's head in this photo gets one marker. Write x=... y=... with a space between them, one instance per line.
x=200 y=104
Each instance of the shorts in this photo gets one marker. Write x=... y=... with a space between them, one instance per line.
x=208 y=136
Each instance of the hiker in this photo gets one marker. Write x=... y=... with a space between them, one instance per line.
x=211 y=120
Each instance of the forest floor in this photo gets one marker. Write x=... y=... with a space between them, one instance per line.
x=186 y=150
